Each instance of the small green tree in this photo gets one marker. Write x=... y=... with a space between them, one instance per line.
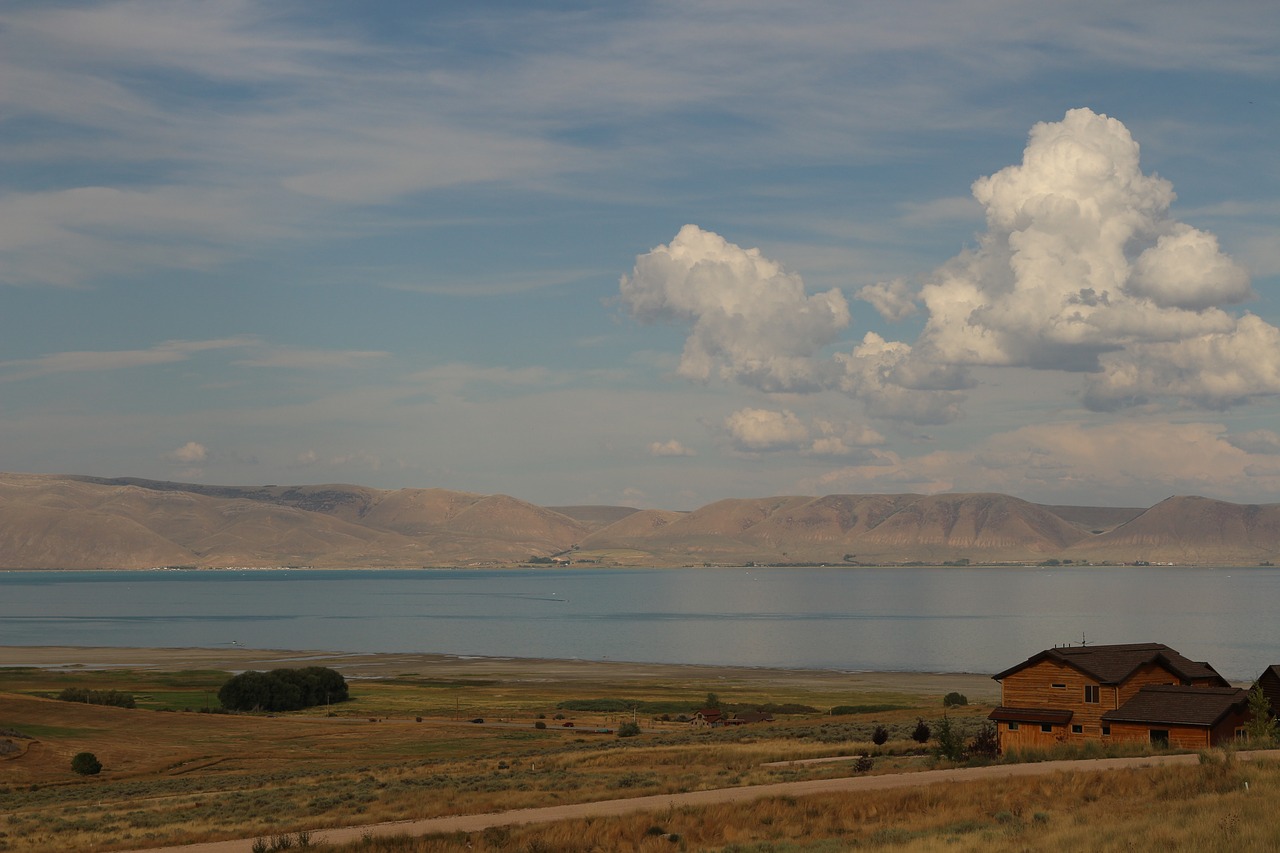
x=1262 y=728
x=629 y=729
x=86 y=764
x=880 y=735
x=922 y=732
x=950 y=744
x=954 y=699
x=713 y=701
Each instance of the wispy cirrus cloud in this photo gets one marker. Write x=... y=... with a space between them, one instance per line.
x=88 y=361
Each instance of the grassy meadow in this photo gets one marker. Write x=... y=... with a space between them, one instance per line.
x=404 y=747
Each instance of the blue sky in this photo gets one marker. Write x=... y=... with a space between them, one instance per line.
x=655 y=254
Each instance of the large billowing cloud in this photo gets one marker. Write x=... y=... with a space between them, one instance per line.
x=1083 y=268
x=752 y=321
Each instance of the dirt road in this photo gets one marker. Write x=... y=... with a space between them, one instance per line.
x=609 y=808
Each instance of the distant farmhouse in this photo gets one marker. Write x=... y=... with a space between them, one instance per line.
x=1135 y=692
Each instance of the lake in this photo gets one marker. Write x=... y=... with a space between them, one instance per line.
x=948 y=619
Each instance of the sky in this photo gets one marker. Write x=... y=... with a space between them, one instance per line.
x=653 y=254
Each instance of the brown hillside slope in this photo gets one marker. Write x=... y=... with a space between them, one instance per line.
x=639 y=526
x=982 y=525
x=1195 y=530
x=50 y=521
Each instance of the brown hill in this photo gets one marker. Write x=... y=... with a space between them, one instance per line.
x=49 y=521
x=1192 y=530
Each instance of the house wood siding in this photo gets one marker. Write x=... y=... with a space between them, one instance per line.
x=1033 y=688
x=1029 y=736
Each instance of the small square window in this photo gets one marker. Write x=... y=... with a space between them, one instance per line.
x=1106 y=730
x=1013 y=727
x=1046 y=727
x=1077 y=729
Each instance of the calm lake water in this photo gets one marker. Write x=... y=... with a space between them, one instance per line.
x=914 y=619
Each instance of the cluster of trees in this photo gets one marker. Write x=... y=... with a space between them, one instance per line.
x=98 y=697
x=283 y=689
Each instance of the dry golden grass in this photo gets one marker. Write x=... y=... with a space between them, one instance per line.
x=1189 y=808
x=185 y=776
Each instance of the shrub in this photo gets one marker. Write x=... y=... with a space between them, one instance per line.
x=954 y=699
x=629 y=729
x=98 y=697
x=539 y=725
x=922 y=732
x=880 y=736
x=986 y=742
x=86 y=764
x=863 y=764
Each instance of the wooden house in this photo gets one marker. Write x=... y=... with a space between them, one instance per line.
x=1269 y=681
x=707 y=718
x=1061 y=695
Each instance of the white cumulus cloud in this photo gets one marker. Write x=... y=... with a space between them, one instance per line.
x=189 y=453
x=1083 y=268
x=751 y=320
x=762 y=429
x=669 y=448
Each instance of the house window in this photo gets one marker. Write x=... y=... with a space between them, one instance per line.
x=1013 y=727
x=1092 y=693
x=1106 y=730
x=1060 y=686
x=1077 y=729
x=1046 y=727
x=1159 y=737
x=1242 y=734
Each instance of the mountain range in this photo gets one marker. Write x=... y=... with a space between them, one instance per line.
x=52 y=521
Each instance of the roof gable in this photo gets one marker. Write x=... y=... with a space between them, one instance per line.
x=1112 y=664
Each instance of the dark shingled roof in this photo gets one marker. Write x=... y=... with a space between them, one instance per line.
x=1113 y=664
x=1030 y=715
x=1179 y=705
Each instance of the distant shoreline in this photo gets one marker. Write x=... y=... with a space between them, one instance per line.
x=977 y=686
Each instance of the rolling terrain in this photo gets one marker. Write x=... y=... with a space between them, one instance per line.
x=71 y=522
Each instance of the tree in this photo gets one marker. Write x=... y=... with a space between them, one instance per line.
x=629 y=729
x=713 y=701
x=953 y=699
x=86 y=764
x=950 y=744
x=987 y=741
x=922 y=733
x=1262 y=727
x=283 y=689
x=880 y=735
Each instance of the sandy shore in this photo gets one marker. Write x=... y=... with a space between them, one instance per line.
x=977 y=687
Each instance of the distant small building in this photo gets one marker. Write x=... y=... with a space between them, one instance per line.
x=707 y=718
x=749 y=717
